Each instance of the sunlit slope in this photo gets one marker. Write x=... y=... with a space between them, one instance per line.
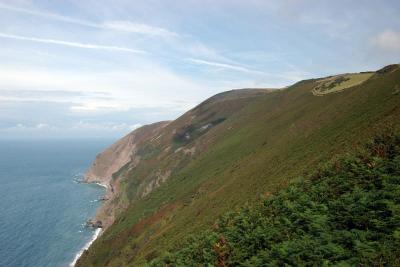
x=339 y=83
x=251 y=152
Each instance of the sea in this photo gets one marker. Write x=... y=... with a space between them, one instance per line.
x=43 y=204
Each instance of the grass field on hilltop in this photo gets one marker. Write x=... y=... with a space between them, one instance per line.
x=340 y=82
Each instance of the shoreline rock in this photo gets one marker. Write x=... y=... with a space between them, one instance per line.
x=91 y=223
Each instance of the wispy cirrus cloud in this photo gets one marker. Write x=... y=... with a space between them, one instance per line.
x=223 y=65
x=71 y=44
x=48 y=15
x=120 y=25
x=133 y=27
x=56 y=96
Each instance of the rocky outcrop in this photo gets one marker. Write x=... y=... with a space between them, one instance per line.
x=94 y=223
x=111 y=160
x=107 y=170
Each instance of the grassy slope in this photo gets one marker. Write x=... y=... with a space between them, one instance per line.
x=254 y=152
x=330 y=85
x=346 y=214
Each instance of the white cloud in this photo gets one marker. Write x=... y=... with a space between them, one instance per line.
x=94 y=106
x=223 y=65
x=77 y=129
x=103 y=126
x=71 y=44
x=48 y=15
x=101 y=92
x=128 y=26
x=124 y=26
x=20 y=127
x=42 y=125
x=135 y=126
x=387 y=40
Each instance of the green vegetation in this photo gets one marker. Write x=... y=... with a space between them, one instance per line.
x=332 y=84
x=347 y=214
x=264 y=144
x=341 y=82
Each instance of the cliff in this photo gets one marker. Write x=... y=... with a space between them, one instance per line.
x=138 y=155
x=112 y=159
x=109 y=165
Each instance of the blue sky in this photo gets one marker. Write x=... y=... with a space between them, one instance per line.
x=98 y=68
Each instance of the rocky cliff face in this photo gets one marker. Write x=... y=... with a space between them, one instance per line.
x=124 y=151
x=111 y=160
x=131 y=169
x=107 y=168
x=171 y=138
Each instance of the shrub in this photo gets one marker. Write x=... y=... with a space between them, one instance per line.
x=346 y=213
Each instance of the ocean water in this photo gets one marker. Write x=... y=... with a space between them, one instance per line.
x=42 y=207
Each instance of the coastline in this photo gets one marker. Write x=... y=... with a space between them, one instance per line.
x=97 y=231
x=96 y=234
x=99 y=184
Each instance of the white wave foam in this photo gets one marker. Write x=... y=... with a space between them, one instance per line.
x=103 y=185
x=78 y=177
x=87 y=245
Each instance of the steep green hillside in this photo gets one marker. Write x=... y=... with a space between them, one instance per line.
x=347 y=213
x=230 y=151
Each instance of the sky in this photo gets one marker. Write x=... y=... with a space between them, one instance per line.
x=97 y=68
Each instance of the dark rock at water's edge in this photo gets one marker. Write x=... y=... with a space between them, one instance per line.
x=94 y=223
